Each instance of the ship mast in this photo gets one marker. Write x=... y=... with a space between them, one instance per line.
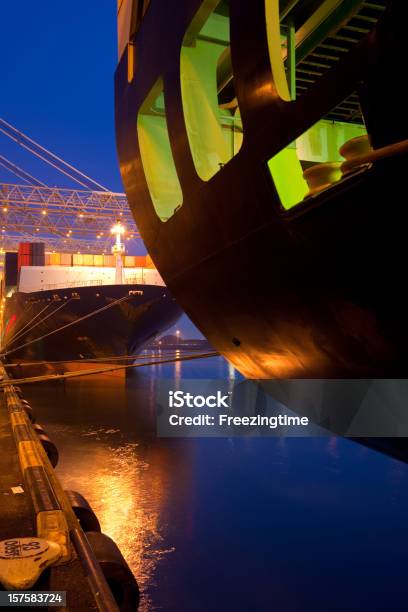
x=118 y=251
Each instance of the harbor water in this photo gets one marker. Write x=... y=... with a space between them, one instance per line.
x=240 y=524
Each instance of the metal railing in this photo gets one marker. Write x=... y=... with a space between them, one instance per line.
x=139 y=279
x=69 y=284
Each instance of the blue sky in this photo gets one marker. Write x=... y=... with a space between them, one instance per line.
x=58 y=61
x=57 y=69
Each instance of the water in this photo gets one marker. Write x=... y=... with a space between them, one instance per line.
x=231 y=525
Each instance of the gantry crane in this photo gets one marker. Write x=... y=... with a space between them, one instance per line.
x=68 y=220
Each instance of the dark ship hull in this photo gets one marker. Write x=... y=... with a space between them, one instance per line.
x=49 y=329
x=311 y=292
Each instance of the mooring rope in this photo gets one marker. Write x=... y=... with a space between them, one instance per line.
x=78 y=373
x=88 y=360
x=30 y=329
x=29 y=322
x=87 y=316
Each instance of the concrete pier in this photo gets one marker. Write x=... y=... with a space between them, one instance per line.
x=33 y=505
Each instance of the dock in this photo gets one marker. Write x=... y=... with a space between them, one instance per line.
x=39 y=528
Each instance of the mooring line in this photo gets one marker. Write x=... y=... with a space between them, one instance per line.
x=30 y=329
x=14 y=336
x=78 y=373
x=90 y=360
x=90 y=314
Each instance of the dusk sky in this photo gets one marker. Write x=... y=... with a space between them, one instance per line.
x=58 y=61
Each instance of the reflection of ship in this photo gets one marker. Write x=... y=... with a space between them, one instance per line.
x=286 y=279
x=60 y=313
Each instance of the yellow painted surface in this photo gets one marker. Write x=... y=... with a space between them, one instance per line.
x=22 y=561
x=18 y=418
x=29 y=455
x=52 y=525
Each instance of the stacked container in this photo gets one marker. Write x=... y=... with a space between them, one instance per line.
x=10 y=269
x=109 y=261
x=140 y=261
x=31 y=254
x=24 y=254
x=37 y=254
x=65 y=259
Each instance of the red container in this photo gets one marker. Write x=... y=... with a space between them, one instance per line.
x=24 y=254
x=24 y=248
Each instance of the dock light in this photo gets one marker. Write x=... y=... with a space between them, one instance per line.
x=5 y=209
x=43 y=212
x=118 y=229
x=80 y=215
x=118 y=250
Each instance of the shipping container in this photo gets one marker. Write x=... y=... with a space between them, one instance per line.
x=24 y=248
x=65 y=259
x=47 y=259
x=24 y=260
x=10 y=269
x=88 y=260
x=149 y=262
x=55 y=259
x=38 y=248
x=38 y=260
x=77 y=259
x=129 y=261
x=140 y=261
x=98 y=260
x=109 y=261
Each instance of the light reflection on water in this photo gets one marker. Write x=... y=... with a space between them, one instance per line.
x=231 y=524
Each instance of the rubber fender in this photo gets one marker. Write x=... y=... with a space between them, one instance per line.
x=28 y=409
x=117 y=573
x=83 y=511
x=50 y=449
x=18 y=391
x=39 y=429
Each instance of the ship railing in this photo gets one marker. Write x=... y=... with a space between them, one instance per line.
x=137 y=279
x=143 y=279
x=86 y=283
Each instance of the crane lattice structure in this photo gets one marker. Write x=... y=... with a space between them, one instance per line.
x=69 y=220
x=63 y=217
